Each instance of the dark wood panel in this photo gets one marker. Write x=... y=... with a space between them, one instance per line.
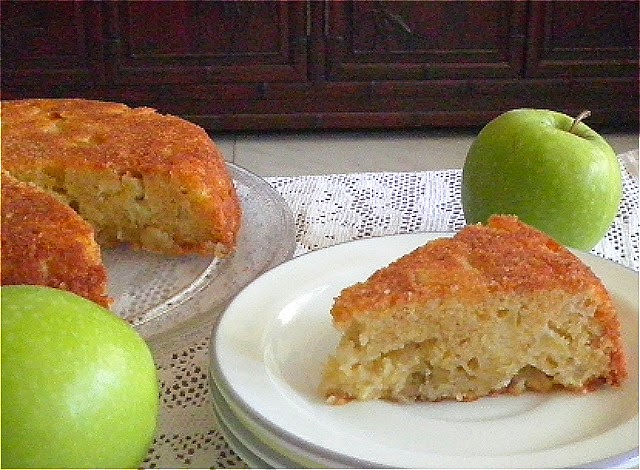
x=441 y=103
x=58 y=43
x=190 y=42
x=421 y=104
x=583 y=39
x=425 y=40
x=366 y=105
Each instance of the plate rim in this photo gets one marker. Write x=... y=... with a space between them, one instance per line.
x=283 y=433
x=233 y=423
x=236 y=444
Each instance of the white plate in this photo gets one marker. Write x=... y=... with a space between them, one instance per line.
x=261 y=441
x=250 y=449
x=269 y=347
x=248 y=456
x=157 y=293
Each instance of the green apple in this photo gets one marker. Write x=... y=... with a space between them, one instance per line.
x=79 y=385
x=549 y=169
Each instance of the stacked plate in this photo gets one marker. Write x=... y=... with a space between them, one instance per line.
x=269 y=346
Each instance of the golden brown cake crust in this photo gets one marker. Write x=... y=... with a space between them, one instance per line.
x=503 y=256
x=44 y=242
x=62 y=136
x=102 y=135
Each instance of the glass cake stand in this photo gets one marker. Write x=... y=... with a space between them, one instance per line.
x=169 y=297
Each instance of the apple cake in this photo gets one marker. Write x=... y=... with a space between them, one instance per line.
x=156 y=182
x=497 y=308
x=45 y=242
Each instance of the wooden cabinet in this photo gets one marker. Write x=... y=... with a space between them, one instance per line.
x=329 y=64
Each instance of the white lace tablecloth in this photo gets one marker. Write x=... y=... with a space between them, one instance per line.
x=327 y=210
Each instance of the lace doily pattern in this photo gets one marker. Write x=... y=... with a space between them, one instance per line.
x=621 y=244
x=328 y=210
x=188 y=435
x=338 y=208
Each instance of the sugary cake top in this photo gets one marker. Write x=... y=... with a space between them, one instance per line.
x=45 y=242
x=505 y=256
x=96 y=134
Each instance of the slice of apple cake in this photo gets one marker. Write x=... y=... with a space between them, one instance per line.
x=44 y=242
x=497 y=308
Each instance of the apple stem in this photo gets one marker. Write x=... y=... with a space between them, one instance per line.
x=578 y=119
